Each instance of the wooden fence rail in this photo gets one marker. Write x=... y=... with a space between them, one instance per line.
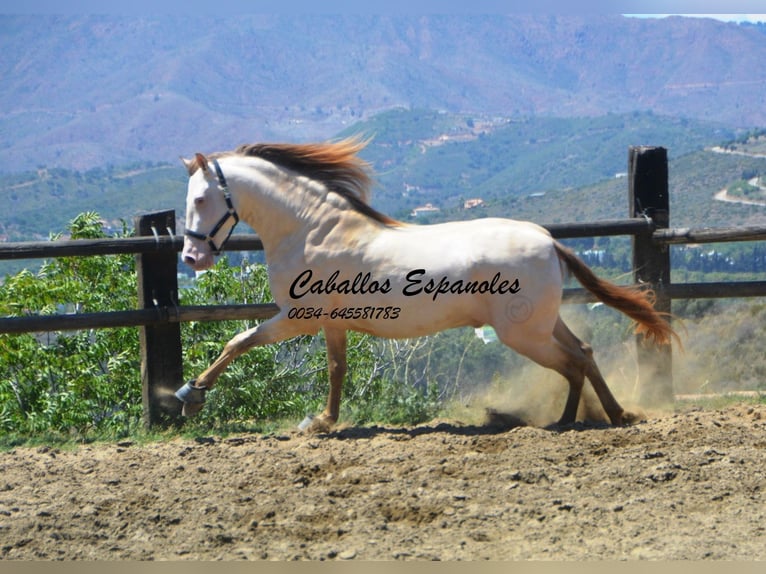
x=112 y=246
x=159 y=316
x=604 y=228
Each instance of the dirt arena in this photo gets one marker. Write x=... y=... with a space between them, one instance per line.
x=689 y=485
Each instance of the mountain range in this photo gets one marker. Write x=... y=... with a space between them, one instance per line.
x=86 y=91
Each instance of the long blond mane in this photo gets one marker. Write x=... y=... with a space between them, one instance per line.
x=336 y=165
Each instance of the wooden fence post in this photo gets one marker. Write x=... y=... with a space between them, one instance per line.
x=161 y=360
x=648 y=196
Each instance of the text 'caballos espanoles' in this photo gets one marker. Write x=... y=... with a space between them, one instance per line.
x=416 y=282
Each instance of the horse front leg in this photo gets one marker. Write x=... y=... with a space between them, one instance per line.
x=276 y=329
x=336 y=365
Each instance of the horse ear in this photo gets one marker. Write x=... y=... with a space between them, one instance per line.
x=189 y=164
x=201 y=161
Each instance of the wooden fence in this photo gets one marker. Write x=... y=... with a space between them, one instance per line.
x=159 y=315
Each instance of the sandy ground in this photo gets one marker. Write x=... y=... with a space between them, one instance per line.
x=688 y=485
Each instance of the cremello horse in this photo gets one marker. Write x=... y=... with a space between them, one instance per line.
x=336 y=264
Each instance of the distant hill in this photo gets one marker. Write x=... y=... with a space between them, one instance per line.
x=90 y=91
x=44 y=201
x=443 y=159
x=543 y=169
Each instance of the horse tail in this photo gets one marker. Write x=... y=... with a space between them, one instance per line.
x=636 y=302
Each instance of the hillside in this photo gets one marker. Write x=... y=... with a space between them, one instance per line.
x=419 y=157
x=694 y=180
x=115 y=194
x=81 y=92
x=443 y=159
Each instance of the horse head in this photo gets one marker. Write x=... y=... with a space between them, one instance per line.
x=210 y=213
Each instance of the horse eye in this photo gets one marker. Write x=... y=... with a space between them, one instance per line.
x=199 y=201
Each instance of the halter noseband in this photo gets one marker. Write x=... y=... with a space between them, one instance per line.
x=224 y=218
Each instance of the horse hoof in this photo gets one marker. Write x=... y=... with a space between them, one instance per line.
x=629 y=418
x=314 y=425
x=306 y=423
x=191 y=394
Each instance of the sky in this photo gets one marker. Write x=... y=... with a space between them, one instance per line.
x=224 y=7
x=723 y=17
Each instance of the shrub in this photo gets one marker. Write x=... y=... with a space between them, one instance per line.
x=87 y=382
x=71 y=381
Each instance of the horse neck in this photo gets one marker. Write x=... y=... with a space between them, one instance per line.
x=281 y=207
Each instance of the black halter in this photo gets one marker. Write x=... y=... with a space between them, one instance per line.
x=224 y=218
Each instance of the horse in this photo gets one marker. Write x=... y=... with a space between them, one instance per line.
x=337 y=264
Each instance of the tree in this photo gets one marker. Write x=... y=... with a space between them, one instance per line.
x=71 y=381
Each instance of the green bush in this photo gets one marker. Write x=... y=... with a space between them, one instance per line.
x=87 y=383
x=74 y=381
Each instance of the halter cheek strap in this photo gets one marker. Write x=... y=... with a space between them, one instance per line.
x=231 y=213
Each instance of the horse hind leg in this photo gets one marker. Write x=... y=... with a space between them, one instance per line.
x=610 y=405
x=550 y=352
x=573 y=371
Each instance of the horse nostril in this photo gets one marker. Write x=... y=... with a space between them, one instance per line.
x=189 y=260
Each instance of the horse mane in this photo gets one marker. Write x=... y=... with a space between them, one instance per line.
x=336 y=165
